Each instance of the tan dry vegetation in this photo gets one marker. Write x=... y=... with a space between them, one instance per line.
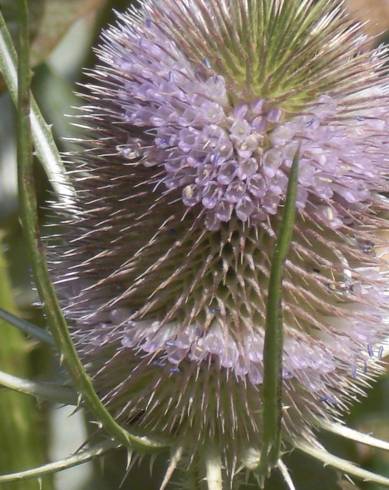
x=375 y=11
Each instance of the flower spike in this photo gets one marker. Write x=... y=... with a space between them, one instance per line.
x=194 y=116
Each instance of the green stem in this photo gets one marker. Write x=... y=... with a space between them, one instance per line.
x=274 y=338
x=45 y=146
x=29 y=215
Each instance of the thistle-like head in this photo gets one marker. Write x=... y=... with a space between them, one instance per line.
x=196 y=114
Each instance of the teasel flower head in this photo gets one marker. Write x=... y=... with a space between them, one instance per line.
x=195 y=114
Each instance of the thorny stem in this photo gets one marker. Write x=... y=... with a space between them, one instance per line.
x=74 y=460
x=29 y=217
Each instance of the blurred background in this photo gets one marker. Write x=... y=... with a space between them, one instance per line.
x=63 y=33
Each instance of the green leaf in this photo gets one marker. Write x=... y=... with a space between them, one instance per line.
x=273 y=346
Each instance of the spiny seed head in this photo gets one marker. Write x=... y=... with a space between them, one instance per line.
x=196 y=113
